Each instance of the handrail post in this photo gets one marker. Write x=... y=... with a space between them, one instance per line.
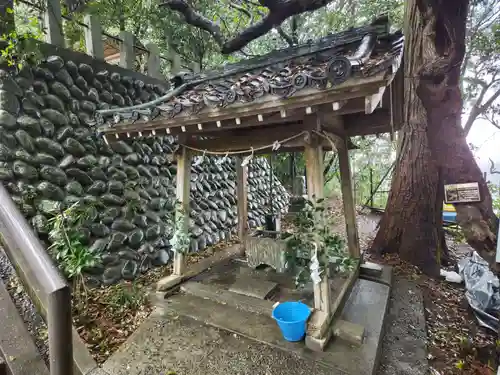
x=60 y=328
x=154 y=61
x=93 y=36
x=127 y=50
x=54 y=23
x=41 y=278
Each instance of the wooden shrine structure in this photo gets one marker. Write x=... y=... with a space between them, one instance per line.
x=316 y=95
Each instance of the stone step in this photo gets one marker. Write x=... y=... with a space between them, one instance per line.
x=226 y=297
x=366 y=307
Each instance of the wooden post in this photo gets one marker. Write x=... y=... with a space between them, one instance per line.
x=127 y=52
x=93 y=36
x=53 y=23
x=183 y=189
x=241 y=194
x=315 y=185
x=348 y=201
x=154 y=68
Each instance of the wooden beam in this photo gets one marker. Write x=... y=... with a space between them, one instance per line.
x=315 y=185
x=182 y=193
x=362 y=124
x=348 y=201
x=242 y=203
x=353 y=88
x=244 y=139
x=372 y=101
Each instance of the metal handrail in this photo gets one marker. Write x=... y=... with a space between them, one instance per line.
x=43 y=281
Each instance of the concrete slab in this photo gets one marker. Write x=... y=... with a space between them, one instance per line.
x=16 y=344
x=366 y=306
x=370 y=268
x=384 y=277
x=252 y=287
x=225 y=297
x=193 y=270
x=188 y=347
x=168 y=282
x=350 y=332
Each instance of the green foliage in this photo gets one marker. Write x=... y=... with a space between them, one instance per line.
x=127 y=296
x=481 y=65
x=495 y=196
x=180 y=240
x=313 y=235
x=68 y=244
x=18 y=47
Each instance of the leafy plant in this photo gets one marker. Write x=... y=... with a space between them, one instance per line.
x=129 y=296
x=21 y=48
x=68 y=243
x=460 y=364
x=312 y=247
x=181 y=239
x=495 y=196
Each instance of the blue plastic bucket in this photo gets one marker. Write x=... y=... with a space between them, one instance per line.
x=291 y=318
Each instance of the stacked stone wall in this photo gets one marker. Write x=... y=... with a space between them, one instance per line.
x=52 y=157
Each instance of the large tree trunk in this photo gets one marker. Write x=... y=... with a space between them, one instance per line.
x=412 y=222
x=433 y=149
x=438 y=86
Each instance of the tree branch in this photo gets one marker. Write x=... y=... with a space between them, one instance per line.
x=492 y=168
x=479 y=108
x=285 y=36
x=279 y=11
x=196 y=19
x=242 y=10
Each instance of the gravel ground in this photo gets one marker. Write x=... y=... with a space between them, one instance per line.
x=27 y=310
x=404 y=345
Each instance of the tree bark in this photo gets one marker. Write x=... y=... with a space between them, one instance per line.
x=438 y=86
x=412 y=223
x=434 y=150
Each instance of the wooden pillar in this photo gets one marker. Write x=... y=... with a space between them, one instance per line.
x=348 y=200
x=315 y=186
x=183 y=190
x=241 y=194
x=154 y=63
x=53 y=23
x=93 y=36
x=127 y=51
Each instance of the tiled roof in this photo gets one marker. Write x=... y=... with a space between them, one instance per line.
x=321 y=64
